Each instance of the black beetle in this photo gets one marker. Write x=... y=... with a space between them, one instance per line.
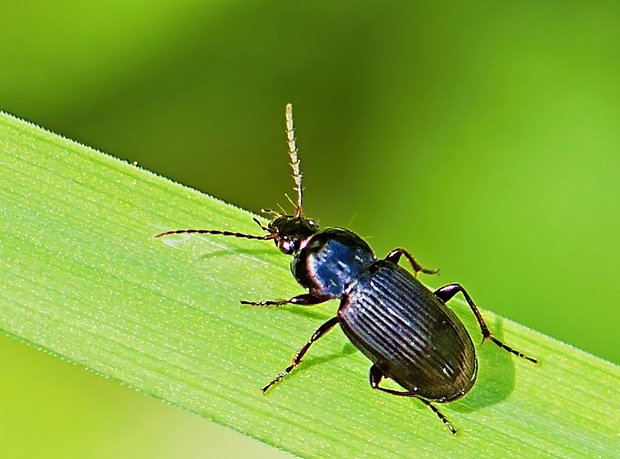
x=406 y=330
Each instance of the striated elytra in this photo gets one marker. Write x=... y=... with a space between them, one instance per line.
x=405 y=329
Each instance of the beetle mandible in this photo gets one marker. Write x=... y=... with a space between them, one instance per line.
x=405 y=329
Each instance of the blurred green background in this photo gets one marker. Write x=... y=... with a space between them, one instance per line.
x=484 y=137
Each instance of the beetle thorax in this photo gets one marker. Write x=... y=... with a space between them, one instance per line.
x=330 y=260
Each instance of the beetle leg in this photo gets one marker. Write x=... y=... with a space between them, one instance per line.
x=446 y=292
x=376 y=376
x=307 y=299
x=322 y=330
x=394 y=257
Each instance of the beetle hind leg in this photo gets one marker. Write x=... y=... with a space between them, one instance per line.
x=375 y=378
x=446 y=293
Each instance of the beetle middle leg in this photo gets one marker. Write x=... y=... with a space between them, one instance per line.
x=376 y=376
x=319 y=333
x=394 y=257
x=446 y=292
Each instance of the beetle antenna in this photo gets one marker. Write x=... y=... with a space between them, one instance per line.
x=266 y=237
x=288 y=198
x=263 y=227
x=292 y=151
x=273 y=213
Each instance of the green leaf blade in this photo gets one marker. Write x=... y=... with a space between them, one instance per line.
x=85 y=279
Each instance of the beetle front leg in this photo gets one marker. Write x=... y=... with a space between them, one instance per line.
x=306 y=299
x=376 y=376
x=446 y=293
x=320 y=332
x=394 y=257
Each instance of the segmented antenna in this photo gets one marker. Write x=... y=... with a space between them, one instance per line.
x=221 y=233
x=292 y=151
x=266 y=237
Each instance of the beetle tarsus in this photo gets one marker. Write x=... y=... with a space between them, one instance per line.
x=439 y=415
x=278 y=378
x=305 y=299
x=262 y=304
x=394 y=257
x=510 y=349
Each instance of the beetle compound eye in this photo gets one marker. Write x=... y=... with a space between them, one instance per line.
x=286 y=246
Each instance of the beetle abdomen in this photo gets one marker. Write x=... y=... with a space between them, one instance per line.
x=404 y=329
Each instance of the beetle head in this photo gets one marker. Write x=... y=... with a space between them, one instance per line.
x=289 y=232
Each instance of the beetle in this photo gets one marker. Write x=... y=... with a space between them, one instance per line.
x=405 y=329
